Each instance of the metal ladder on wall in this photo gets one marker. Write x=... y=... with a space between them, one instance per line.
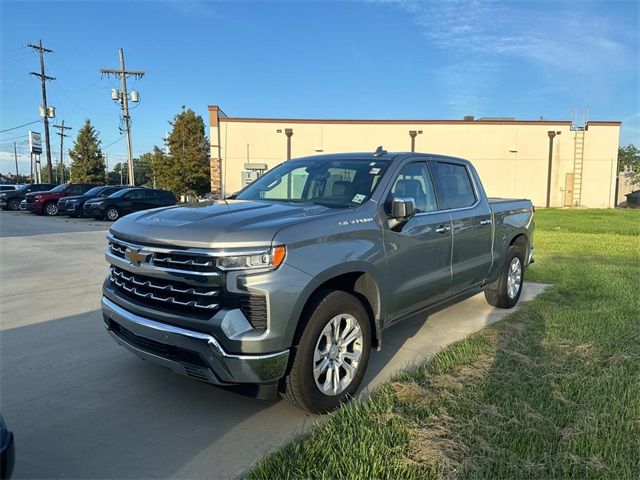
x=578 y=162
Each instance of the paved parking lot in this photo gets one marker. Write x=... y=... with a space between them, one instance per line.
x=82 y=407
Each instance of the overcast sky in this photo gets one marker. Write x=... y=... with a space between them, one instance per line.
x=365 y=59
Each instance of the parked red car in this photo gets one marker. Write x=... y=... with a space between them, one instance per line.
x=46 y=203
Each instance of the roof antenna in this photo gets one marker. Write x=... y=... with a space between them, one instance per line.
x=379 y=152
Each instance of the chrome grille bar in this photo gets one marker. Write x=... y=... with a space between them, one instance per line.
x=168 y=287
x=146 y=288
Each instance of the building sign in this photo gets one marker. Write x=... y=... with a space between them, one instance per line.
x=35 y=143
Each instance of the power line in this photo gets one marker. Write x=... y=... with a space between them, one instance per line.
x=123 y=98
x=19 y=126
x=62 y=128
x=13 y=138
x=113 y=143
x=43 y=79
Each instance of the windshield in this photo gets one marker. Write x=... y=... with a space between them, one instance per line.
x=60 y=188
x=122 y=192
x=337 y=183
x=93 y=191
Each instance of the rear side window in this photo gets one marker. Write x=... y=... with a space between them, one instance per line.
x=453 y=185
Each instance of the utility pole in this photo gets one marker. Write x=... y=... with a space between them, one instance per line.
x=15 y=155
x=123 y=98
x=62 y=128
x=46 y=112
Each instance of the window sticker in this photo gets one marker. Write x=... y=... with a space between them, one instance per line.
x=358 y=198
x=374 y=171
x=372 y=164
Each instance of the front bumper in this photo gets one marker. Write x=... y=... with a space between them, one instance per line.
x=34 y=207
x=67 y=208
x=92 y=210
x=190 y=353
x=7 y=453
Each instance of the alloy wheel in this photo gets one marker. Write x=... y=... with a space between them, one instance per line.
x=514 y=277
x=112 y=214
x=51 y=209
x=337 y=354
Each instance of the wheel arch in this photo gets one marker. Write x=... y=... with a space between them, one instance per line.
x=359 y=282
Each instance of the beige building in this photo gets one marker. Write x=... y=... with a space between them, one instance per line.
x=511 y=156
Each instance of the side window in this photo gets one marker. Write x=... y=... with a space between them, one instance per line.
x=106 y=192
x=76 y=189
x=414 y=181
x=454 y=186
x=134 y=195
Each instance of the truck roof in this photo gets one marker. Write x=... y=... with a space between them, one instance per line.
x=388 y=156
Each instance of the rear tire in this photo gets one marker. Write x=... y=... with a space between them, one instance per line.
x=14 y=204
x=505 y=291
x=50 y=209
x=332 y=353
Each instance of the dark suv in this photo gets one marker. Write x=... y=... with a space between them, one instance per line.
x=127 y=201
x=47 y=202
x=72 y=206
x=11 y=200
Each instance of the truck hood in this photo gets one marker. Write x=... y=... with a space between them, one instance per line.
x=46 y=193
x=221 y=224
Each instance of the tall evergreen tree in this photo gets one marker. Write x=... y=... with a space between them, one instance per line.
x=185 y=171
x=87 y=161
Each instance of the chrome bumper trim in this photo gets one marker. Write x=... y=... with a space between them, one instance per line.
x=223 y=368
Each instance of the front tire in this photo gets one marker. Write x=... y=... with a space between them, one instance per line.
x=505 y=292
x=111 y=214
x=50 y=209
x=331 y=357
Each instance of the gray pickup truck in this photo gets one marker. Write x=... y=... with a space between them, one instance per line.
x=287 y=286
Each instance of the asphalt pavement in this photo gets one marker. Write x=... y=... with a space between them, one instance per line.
x=80 y=406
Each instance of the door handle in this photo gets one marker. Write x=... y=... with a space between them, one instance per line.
x=486 y=222
x=443 y=229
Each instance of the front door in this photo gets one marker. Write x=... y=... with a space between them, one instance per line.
x=418 y=253
x=471 y=223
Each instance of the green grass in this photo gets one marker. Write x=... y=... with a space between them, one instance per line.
x=553 y=391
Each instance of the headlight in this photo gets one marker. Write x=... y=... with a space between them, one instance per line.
x=3 y=195
x=269 y=259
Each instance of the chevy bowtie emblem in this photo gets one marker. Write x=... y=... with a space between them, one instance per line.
x=136 y=257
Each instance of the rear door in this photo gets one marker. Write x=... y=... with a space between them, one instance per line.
x=418 y=254
x=470 y=213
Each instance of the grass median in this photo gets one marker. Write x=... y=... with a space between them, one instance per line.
x=551 y=391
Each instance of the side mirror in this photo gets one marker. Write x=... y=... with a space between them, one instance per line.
x=402 y=209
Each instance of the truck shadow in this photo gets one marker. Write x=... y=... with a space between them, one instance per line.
x=83 y=407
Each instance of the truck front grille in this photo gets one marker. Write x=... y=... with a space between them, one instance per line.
x=172 y=295
x=187 y=282
x=176 y=261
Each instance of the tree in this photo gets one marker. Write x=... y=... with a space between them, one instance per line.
x=143 y=167
x=629 y=160
x=185 y=171
x=57 y=174
x=87 y=161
